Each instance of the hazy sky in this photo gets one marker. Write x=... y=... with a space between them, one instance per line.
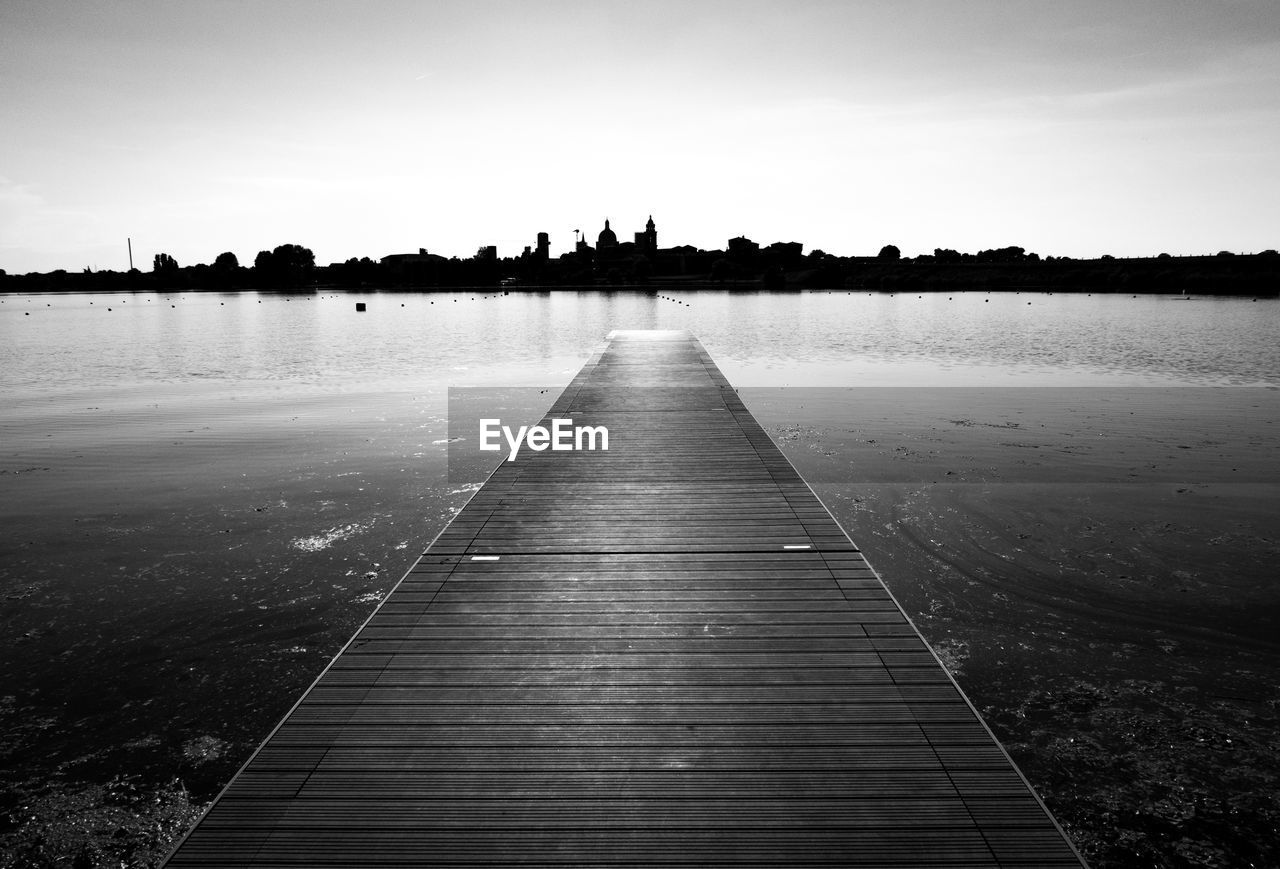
x=366 y=128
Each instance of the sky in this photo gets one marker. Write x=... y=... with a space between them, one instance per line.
x=1076 y=127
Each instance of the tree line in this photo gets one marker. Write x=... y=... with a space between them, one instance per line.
x=744 y=265
x=288 y=266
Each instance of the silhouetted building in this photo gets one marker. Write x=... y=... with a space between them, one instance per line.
x=414 y=268
x=786 y=251
x=607 y=238
x=742 y=248
x=647 y=241
x=609 y=248
x=637 y=260
x=408 y=259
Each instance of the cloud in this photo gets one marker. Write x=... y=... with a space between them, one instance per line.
x=15 y=200
x=31 y=228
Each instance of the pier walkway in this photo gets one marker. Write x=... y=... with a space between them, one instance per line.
x=668 y=653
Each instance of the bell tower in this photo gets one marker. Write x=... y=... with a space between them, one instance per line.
x=647 y=241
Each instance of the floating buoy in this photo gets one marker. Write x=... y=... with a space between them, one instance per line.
x=360 y=306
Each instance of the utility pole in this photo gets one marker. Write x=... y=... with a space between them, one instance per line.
x=130 y=254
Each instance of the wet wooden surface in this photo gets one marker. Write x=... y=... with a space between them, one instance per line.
x=666 y=653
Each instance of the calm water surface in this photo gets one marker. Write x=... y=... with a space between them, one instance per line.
x=204 y=494
x=72 y=343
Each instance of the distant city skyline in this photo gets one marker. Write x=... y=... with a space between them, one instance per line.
x=1073 y=129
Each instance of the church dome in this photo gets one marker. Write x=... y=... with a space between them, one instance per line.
x=607 y=237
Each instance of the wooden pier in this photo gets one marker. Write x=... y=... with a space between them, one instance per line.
x=668 y=653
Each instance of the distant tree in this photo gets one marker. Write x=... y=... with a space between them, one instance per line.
x=1164 y=256
x=226 y=262
x=890 y=252
x=1225 y=253
x=165 y=269
x=358 y=272
x=946 y=255
x=1002 y=255
x=289 y=265
x=295 y=256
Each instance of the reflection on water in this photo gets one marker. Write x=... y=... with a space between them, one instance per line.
x=312 y=341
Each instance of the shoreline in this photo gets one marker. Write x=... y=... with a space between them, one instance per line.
x=652 y=288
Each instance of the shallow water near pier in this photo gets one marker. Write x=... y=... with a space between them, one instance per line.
x=205 y=495
x=1113 y=614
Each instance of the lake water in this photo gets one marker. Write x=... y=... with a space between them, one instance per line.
x=77 y=344
x=205 y=494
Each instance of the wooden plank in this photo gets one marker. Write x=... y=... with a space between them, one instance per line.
x=669 y=653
